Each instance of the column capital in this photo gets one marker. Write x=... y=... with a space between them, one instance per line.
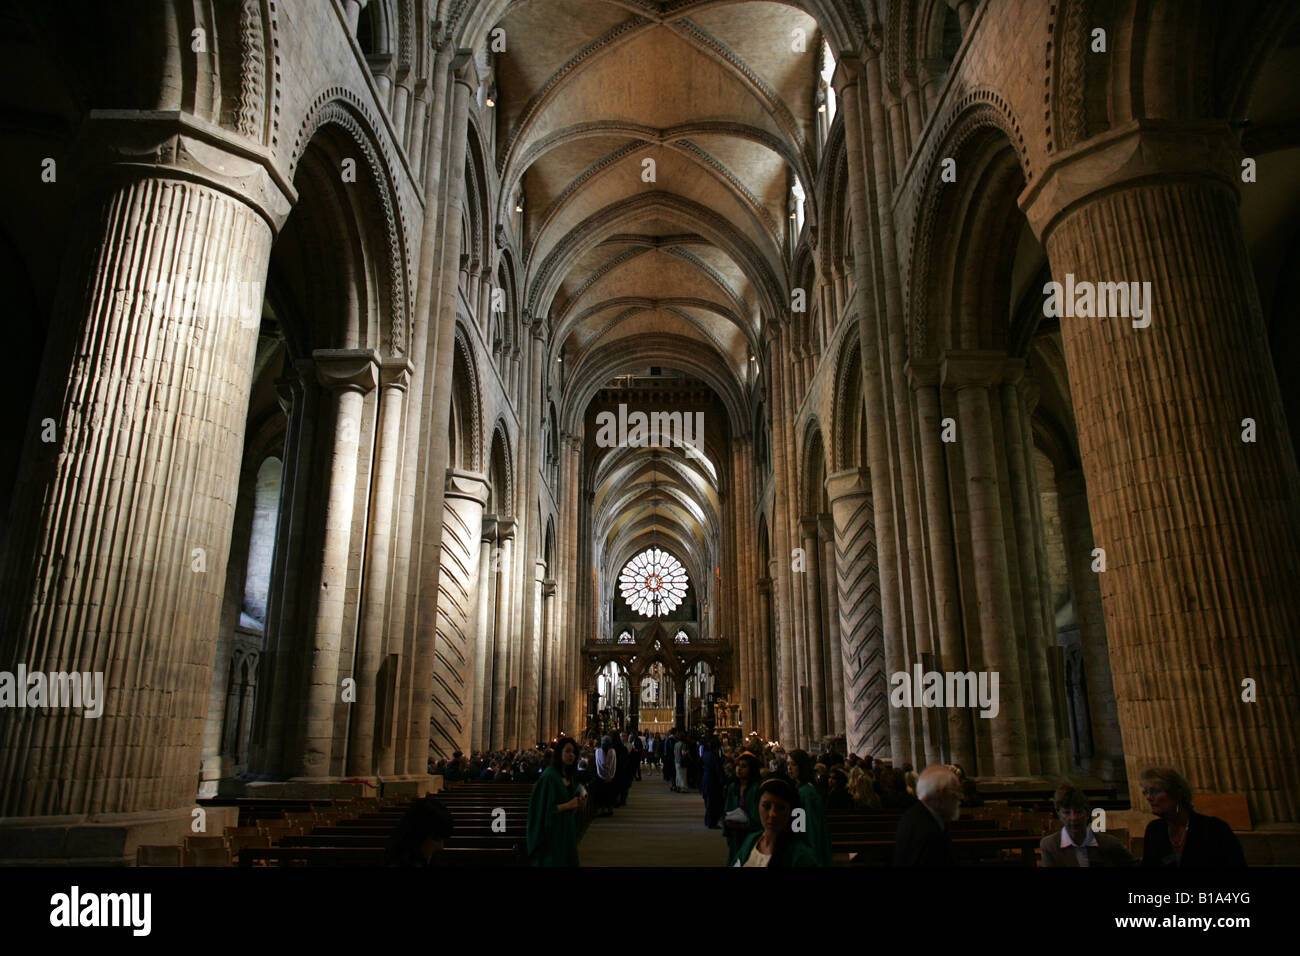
x=826 y=525
x=174 y=144
x=1140 y=152
x=489 y=529
x=808 y=526
x=965 y=369
x=549 y=587
x=467 y=485
x=848 y=483
x=506 y=528
x=395 y=373
x=342 y=370
x=922 y=373
x=463 y=70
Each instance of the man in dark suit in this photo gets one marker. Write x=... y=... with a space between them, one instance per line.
x=1075 y=844
x=923 y=838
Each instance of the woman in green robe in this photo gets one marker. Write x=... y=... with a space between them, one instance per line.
x=554 y=810
x=816 y=832
x=743 y=793
x=776 y=844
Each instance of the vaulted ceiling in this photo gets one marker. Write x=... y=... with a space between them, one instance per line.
x=655 y=154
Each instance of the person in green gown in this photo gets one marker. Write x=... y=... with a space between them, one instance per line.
x=776 y=844
x=554 y=810
x=742 y=793
x=816 y=833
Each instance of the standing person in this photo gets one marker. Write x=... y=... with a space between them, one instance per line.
x=1179 y=836
x=606 y=775
x=683 y=761
x=623 y=774
x=776 y=844
x=742 y=795
x=711 y=783
x=670 y=765
x=816 y=832
x=638 y=754
x=554 y=810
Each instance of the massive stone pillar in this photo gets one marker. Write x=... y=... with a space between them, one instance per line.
x=454 y=666
x=346 y=375
x=371 y=727
x=118 y=533
x=924 y=379
x=1201 y=529
x=865 y=153
x=975 y=375
x=862 y=641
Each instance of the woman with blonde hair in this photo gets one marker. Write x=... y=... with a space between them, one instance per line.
x=1179 y=836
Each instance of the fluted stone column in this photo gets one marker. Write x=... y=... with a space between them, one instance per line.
x=1201 y=529
x=552 y=668
x=502 y=643
x=974 y=375
x=831 y=646
x=862 y=641
x=346 y=375
x=118 y=531
x=1025 y=546
x=812 y=583
x=365 y=735
x=1107 y=747
x=924 y=379
x=481 y=720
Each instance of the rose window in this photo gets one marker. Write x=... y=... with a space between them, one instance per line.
x=653 y=583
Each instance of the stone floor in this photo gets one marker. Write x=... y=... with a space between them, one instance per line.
x=656 y=828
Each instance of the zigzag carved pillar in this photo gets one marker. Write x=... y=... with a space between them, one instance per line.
x=454 y=666
x=119 y=530
x=862 y=641
x=1201 y=529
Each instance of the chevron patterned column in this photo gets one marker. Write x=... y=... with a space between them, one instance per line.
x=862 y=636
x=453 y=657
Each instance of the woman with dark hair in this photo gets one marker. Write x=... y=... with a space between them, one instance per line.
x=421 y=834
x=776 y=844
x=553 y=809
x=742 y=796
x=1179 y=836
x=817 y=834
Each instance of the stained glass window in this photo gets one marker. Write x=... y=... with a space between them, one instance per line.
x=653 y=583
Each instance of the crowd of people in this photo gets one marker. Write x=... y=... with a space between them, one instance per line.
x=771 y=804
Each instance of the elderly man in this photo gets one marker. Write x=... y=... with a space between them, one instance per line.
x=1076 y=844
x=923 y=838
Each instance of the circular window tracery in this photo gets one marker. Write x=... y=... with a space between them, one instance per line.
x=653 y=583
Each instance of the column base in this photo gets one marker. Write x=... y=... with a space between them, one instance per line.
x=108 y=839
